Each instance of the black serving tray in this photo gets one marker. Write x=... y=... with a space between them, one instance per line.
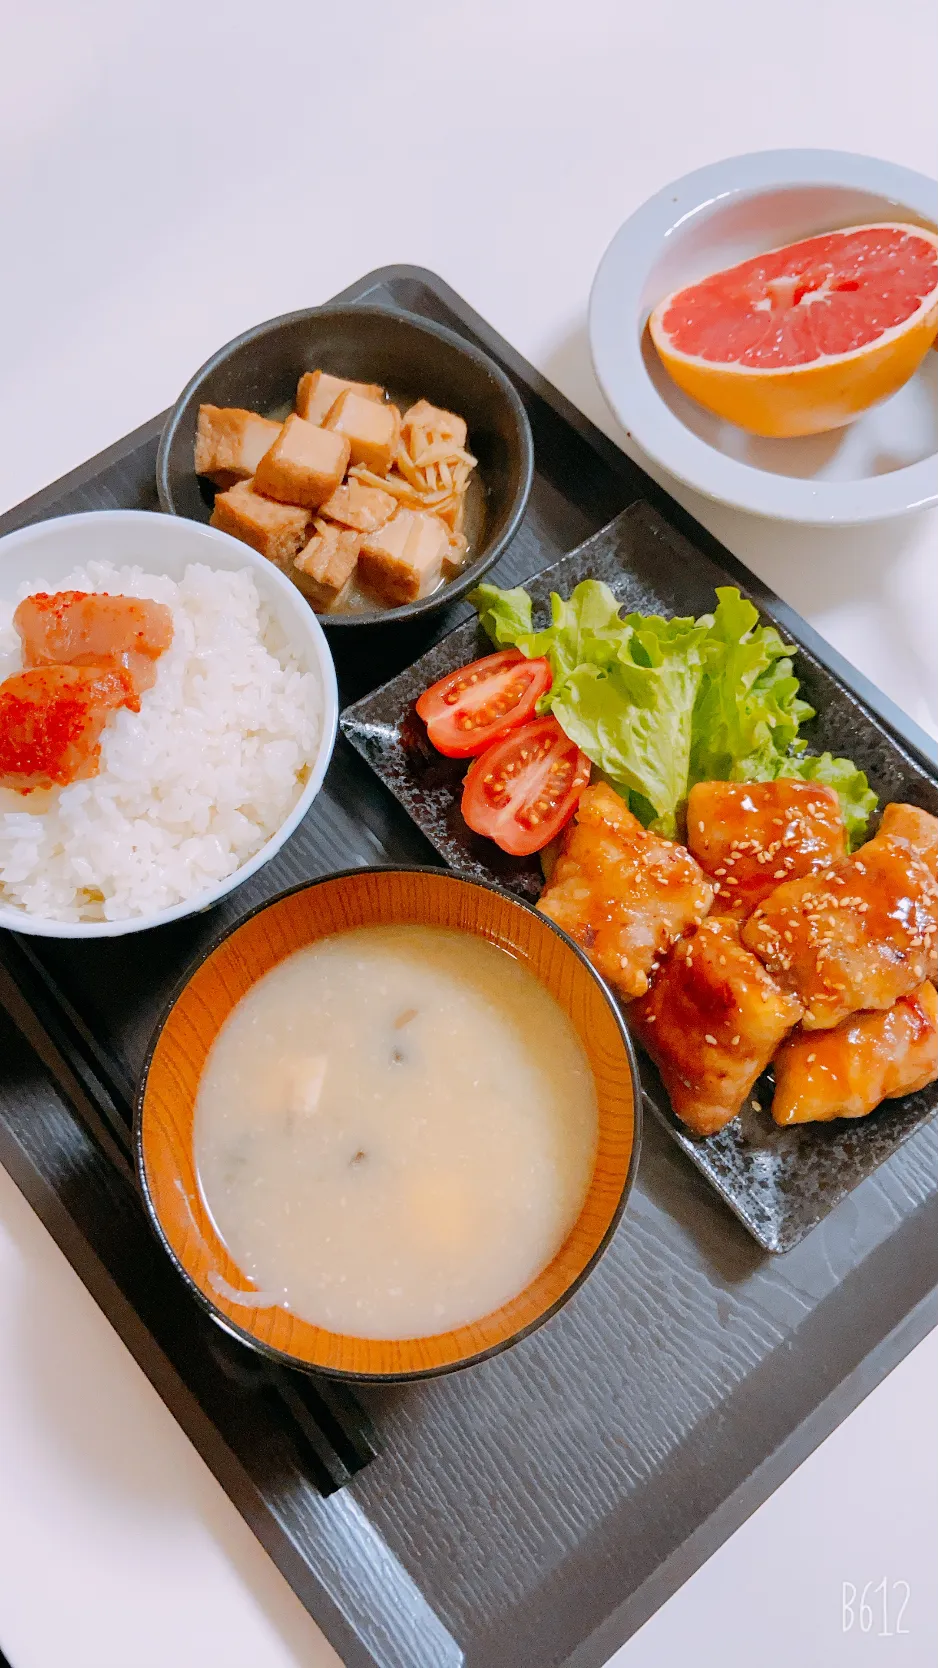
x=534 y=1511
x=779 y=1182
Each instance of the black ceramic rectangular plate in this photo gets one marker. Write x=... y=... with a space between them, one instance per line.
x=535 y=1511
x=780 y=1182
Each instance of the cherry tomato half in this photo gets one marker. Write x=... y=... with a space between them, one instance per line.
x=470 y=708
x=525 y=787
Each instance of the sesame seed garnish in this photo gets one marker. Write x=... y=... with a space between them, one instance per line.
x=709 y=1039
x=756 y=1105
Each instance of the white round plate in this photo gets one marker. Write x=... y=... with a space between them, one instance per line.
x=48 y=550
x=884 y=463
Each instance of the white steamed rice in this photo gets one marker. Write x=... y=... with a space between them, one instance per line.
x=191 y=786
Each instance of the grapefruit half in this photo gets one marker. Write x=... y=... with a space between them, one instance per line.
x=803 y=338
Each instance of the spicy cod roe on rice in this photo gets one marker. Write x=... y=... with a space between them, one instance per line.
x=189 y=787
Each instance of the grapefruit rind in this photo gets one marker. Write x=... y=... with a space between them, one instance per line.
x=826 y=393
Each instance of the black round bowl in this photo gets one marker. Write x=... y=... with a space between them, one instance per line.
x=259 y=371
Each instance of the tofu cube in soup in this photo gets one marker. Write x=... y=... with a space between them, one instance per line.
x=624 y=894
x=364 y=508
x=858 y=935
x=403 y=560
x=712 y=1022
x=324 y=569
x=748 y=836
x=848 y=1071
x=317 y=393
x=230 y=443
x=371 y=430
x=275 y=530
x=304 y=466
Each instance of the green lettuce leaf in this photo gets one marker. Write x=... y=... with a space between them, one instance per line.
x=658 y=705
x=586 y=630
x=748 y=709
x=623 y=689
x=632 y=716
x=858 y=800
x=505 y=616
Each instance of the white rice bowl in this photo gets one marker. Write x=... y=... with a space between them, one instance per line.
x=193 y=786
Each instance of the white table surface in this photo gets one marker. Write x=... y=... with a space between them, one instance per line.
x=171 y=173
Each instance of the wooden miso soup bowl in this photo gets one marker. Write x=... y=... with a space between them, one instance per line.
x=167 y=1098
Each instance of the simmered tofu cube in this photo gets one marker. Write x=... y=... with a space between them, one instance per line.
x=372 y=430
x=230 y=443
x=426 y=419
x=402 y=561
x=324 y=568
x=304 y=465
x=454 y=560
x=317 y=393
x=276 y=530
x=365 y=508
